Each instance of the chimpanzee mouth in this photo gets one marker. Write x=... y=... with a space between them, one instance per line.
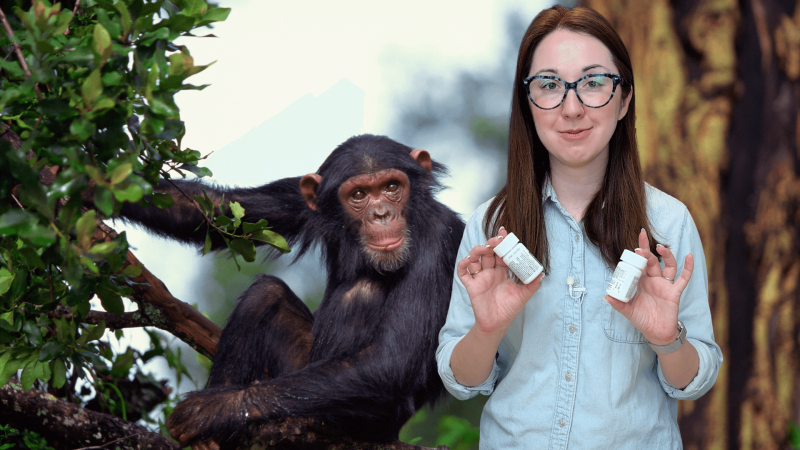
x=387 y=247
x=389 y=258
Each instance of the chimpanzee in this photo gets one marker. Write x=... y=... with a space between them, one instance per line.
x=363 y=363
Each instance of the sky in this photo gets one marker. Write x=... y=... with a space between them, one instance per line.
x=291 y=80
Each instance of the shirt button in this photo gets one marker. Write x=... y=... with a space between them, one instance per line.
x=561 y=423
x=568 y=376
x=577 y=238
x=572 y=328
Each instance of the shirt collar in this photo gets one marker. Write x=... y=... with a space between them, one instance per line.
x=548 y=191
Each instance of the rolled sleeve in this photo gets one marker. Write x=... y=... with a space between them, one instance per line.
x=460 y=319
x=710 y=360
x=695 y=314
x=458 y=390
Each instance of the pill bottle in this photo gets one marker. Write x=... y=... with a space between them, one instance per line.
x=626 y=276
x=521 y=262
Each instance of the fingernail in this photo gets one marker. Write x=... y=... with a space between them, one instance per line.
x=637 y=249
x=499 y=237
x=502 y=228
x=659 y=246
x=487 y=246
x=642 y=229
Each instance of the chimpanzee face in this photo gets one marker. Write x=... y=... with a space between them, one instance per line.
x=376 y=202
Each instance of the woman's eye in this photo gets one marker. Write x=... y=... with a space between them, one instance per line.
x=548 y=86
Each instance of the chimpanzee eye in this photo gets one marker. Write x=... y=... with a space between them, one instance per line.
x=392 y=187
x=358 y=195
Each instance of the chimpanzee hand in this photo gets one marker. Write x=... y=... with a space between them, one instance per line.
x=496 y=299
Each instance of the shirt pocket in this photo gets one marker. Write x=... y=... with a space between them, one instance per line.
x=616 y=327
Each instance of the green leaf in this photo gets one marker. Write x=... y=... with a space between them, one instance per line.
x=216 y=14
x=85 y=229
x=272 y=238
x=112 y=79
x=124 y=17
x=128 y=193
x=223 y=221
x=4 y=358
x=33 y=332
x=82 y=128
x=93 y=333
x=104 y=200
x=10 y=368
x=13 y=68
x=15 y=220
x=162 y=200
x=92 y=87
x=59 y=373
x=244 y=248
x=104 y=103
x=249 y=227
x=112 y=302
x=28 y=377
x=199 y=171
x=103 y=248
x=207 y=246
x=102 y=42
x=120 y=173
x=132 y=271
x=6 y=278
x=238 y=213
x=161 y=108
x=51 y=350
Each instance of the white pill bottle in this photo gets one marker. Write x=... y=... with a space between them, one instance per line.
x=626 y=276
x=518 y=258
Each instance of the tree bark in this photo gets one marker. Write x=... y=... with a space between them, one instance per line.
x=717 y=124
x=68 y=426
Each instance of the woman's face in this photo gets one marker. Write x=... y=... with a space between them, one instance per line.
x=575 y=135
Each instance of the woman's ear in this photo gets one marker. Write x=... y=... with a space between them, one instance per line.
x=623 y=107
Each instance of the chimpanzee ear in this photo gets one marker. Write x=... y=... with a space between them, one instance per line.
x=423 y=158
x=308 y=187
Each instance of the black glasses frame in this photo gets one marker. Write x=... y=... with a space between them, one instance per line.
x=574 y=85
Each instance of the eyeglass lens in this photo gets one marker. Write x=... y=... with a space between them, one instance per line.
x=594 y=91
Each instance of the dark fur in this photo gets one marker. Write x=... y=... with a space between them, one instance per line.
x=365 y=362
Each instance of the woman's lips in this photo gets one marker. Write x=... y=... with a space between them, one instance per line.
x=575 y=134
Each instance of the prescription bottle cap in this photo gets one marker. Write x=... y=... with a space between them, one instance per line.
x=506 y=245
x=634 y=259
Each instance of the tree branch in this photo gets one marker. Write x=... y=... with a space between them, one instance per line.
x=68 y=426
x=18 y=51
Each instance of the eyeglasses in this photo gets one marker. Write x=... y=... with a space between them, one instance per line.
x=594 y=90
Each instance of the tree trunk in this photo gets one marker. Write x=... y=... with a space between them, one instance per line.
x=717 y=123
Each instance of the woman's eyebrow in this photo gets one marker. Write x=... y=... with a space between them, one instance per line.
x=585 y=69
x=594 y=66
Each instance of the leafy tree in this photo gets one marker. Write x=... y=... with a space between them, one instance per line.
x=88 y=117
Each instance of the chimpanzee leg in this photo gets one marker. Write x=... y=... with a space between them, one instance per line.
x=268 y=334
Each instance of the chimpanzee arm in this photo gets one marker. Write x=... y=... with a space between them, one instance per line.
x=279 y=202
x=367 y=397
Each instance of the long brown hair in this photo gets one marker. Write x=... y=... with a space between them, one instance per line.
x=617 y=212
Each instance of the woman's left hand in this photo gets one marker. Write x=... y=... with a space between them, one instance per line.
x=654 y=308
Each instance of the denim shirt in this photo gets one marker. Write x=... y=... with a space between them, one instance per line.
x=571 y=372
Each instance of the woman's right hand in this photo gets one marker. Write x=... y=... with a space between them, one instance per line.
x=496 y=299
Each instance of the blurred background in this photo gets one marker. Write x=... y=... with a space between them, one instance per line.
x=718 y=96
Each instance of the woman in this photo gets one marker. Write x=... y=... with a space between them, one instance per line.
x=566 y=365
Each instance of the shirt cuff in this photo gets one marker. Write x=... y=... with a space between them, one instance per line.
x=706 y=374
x=457 y=389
